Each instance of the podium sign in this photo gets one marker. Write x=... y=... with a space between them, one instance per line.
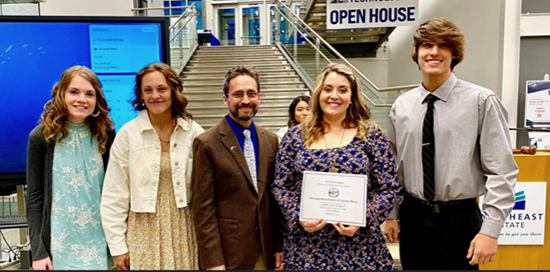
x=526 y=223
x=537 y=103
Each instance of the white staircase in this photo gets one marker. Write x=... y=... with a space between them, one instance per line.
x=203 y=82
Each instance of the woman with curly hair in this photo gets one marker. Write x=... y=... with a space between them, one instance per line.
x=67 y=156
x=338 y=137
x=145 y=204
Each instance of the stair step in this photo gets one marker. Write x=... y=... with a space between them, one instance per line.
x=218 y=102
x=219 y=80
x=239 y=50
x=243 y=58
x=240 y=53
x=217 y=94
x=271 y=91
x=187 y=73
x=270 y=85
x=222 y=110
x=253 y=67
x=244 y=62
x=315 y=19
x=263 y=79
x=229 y=47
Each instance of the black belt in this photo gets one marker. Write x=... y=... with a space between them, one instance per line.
x=440 y=206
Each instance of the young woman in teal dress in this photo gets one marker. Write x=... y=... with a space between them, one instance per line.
x=66 y=161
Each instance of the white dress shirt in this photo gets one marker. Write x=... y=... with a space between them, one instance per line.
x=473 y=152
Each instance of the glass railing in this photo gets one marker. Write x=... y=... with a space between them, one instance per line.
x=19 y=9
x=311 y=53
x=183 y=38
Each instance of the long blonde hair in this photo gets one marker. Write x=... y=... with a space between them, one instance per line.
x=55 y=111
x=357 y=114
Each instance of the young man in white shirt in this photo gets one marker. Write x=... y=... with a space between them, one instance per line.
x=452 y=145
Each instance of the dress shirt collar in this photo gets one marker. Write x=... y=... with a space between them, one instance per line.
x=238 y=129
x=443 y=92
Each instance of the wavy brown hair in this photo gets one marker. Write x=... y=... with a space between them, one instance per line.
x=236 y=71
x=179 y=102
x=357 y=114
x=55 y=111
x=440 y=30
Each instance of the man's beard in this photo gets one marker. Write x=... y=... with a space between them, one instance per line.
x=236 y=114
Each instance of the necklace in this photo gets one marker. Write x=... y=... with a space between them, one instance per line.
x=332 y=168
x=173 y=126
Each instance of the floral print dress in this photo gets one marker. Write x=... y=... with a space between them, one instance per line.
x=77 y=238
x=326 y=249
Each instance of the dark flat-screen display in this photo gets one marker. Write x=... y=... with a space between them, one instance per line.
x=35 y=50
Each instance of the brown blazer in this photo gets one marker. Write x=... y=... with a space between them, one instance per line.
x=233 y=222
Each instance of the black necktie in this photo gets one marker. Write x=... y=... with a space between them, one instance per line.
x=428 y=149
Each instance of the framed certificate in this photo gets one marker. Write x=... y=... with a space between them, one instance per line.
x=334 y=197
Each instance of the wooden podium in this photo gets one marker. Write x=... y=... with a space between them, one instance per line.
x=531 y=168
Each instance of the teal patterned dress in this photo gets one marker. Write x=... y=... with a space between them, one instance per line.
x=77 y=238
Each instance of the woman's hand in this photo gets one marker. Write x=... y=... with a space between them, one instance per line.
x=347 y=231
x=313 y=226
x=122 y=262
x=44 y=264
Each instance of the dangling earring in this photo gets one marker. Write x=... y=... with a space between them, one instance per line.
x=142 y=102
x=96 y=114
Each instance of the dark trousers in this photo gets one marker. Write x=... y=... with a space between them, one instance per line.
x=430 y=240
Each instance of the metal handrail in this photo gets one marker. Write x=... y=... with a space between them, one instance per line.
x=192 y=7
x=336 y=53
x=328 y=60
x=181 y=29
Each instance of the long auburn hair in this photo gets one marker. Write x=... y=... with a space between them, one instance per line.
x=357 y=114
x=179 y=102
x=55 y=110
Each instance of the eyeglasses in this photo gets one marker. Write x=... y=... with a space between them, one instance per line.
x=240 y=95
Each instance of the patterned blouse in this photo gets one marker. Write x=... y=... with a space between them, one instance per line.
x=326 y=249
x=77 y=238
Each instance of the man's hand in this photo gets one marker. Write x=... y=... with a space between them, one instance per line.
x=313 y=226
x=219 y=267
x=391 y=230
x=44 y=264
x=347 y=231
x=122 y=262
x=482 y=249
x=279 y=261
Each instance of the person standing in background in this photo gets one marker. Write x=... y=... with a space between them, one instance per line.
x=298 y=111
